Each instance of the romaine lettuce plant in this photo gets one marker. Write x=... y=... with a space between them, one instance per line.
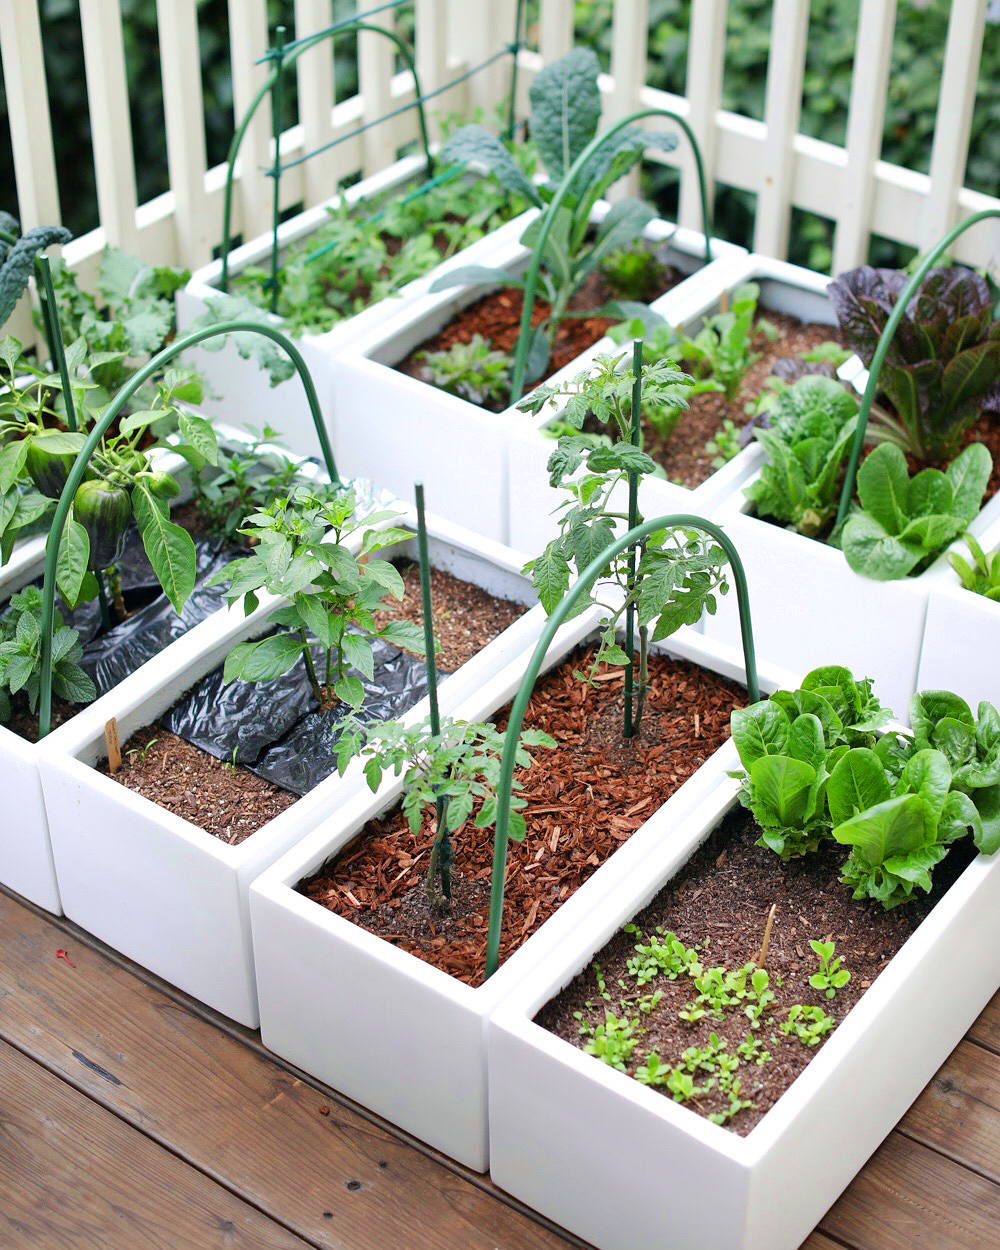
x=811 y=424
x=943 y=366
x=331 y=592
x=982 y=576
x=903 y=522
x=565 y=112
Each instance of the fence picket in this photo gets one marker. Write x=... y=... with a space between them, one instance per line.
x=783 y=105
x=432 y=58
x=953 y=124
x=555 y=34
x=183 y=109
x=314 y=75
x=629 y=38
x=706 y=63
x=107 y=93
x=375 y=65
x=248 y=41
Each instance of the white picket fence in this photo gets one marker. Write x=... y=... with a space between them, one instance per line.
x=784 y=168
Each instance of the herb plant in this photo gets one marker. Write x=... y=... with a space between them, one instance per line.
x=472 y=371
x=943 y=366
x=722 y=349
x=451 y=771
x=20 y=655
x=982 y=576
x=904 y=522
x=565 y=112
x=332 y=593
x=811 y=425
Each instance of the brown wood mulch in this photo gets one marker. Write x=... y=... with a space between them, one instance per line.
x=719 y=902
x=683 y=456
x=585 y=798
x=232 y=802
x=497 y=317
x=464 y=615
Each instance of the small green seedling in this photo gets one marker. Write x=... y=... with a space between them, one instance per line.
x=808 y=1024
x=725 y=445
x=831 y=976
x=141 y=752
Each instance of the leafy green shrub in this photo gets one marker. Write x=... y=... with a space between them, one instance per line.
x=472 y=371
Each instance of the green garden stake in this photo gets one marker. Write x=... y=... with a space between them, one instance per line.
x=631 y=721
x=548 y=217
x=53 y=332
x=101 y=427
x=277 y=125
x=515 y=48
x=562 y=611
x=882 y=350
x=441 y=850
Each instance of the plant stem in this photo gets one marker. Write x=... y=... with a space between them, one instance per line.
x=767 y=935
x=440 y=861
x=102 y=601
x=310 y=667
x=115 y=585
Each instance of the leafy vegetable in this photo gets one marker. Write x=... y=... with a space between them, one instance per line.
x=812 y=422
x=983 y=575
x=470 y=370
x=722 y=347
x=17 y=259
x=905 y=523
x=943 y=366
x=20 y=655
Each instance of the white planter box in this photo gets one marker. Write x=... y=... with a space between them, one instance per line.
x=394 y=428
x=962 y=634
x=241 y=390
x=419 y=1058
x=785 y=288
x=574 y=1139
x=159 y=888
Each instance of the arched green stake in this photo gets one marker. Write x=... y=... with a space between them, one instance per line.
x=563 y=610
x=882 y=350
x=549 y=216
x=93 y=440
x=284 y=56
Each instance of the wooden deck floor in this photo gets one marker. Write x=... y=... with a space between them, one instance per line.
x=132 y=1118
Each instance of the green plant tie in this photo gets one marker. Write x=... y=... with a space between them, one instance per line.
x=53 y=332
x=633 y=520
x=882 y=350
x=561 y=612
x=101 y=427
x=548 y=218
x=514 y=48
x=277 y=125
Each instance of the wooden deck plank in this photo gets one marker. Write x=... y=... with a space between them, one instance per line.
x=337 y=1179
x=75 y=1176
x=986 y=1030
x=908 y=1197
x=959 y=1111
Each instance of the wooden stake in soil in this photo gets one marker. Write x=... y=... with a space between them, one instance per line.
x=767 y=935
x=113 y=745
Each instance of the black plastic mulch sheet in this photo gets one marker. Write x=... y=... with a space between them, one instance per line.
x=277 y=729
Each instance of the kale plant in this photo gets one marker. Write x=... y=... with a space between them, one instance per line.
x=943 y=366
x=903 y=522
x=565 y=112
x=17 y=258
x=811 y=425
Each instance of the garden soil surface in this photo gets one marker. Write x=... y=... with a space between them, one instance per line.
x=497 y=317
x=719 y=902
x=585 y=798
x=683 y=456
x=232 y=802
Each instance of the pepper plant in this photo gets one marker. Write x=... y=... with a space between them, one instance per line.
x=302 y=553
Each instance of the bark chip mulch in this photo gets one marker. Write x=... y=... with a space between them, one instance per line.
x=719 y=902
x=497 y=317
x=232 y=802
x=585 y=798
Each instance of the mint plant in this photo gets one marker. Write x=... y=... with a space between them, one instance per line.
x=831 y=977
x=565 y=113
x=811 y=425
x=331 y=591
x=904 y=523
x=943 y=366
x=20 y=655
x=982 y=576
x=451 y=771
x=472 y=371
x=722 y=348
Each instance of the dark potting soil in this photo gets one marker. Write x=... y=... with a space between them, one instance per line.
x=280 y=736
x=719 y=902
x=683 y=456
x=584 y=798
x=497 y=317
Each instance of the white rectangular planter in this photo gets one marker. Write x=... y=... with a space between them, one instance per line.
x=418 y=1057
x=394 y=428
x=962 y=634
x=574 y=1138
x=159 y=888
x=241 y=391
x=785 y=288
